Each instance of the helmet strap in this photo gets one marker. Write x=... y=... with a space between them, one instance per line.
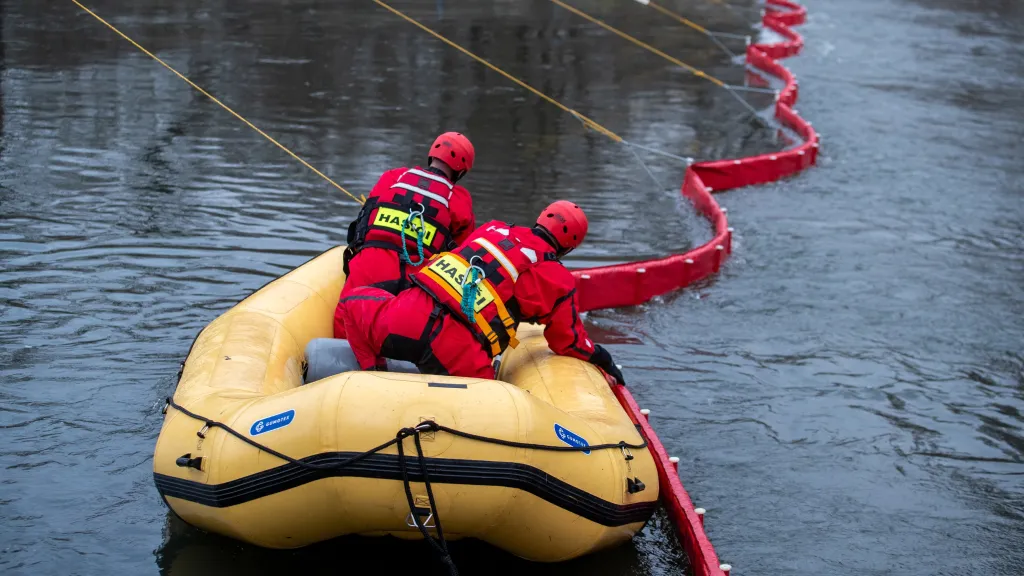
x=548 y=237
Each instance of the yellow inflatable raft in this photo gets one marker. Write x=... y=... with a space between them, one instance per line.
x=241 y=399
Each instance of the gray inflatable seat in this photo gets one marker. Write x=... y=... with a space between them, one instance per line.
x=329 y=356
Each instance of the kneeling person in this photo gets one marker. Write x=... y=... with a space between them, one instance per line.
x=465 y=305
x=410 y=215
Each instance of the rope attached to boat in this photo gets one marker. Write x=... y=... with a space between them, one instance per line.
x=438 y=545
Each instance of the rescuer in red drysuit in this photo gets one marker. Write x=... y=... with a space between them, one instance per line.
x=465 y=306
x=411 y=200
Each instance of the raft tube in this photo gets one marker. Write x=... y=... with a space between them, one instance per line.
x=245 y=371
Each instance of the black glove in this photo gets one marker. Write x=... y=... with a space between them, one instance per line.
x=603 y=360
x=350 y=238
x=346 y=258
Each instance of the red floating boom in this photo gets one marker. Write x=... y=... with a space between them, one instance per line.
x=638 y=282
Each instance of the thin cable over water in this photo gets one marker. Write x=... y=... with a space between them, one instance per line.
x=586 y=121
x=218 y=102
x=692 y=69
x=677 y=17
x=691 y=24
x=713 y=36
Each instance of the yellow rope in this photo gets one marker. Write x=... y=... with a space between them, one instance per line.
x=586 y=121
x=677 y=17
x=218 y=102
x=642 y=44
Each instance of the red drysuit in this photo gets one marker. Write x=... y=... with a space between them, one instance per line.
x=374 y=255
x=521 y=280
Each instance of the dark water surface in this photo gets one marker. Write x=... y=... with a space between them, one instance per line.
x=845 y=397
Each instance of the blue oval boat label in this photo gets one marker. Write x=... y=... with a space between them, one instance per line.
x=571 y=438
x=272 y=423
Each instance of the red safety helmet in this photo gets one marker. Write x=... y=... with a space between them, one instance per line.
x=566 y=223
x=455 y=150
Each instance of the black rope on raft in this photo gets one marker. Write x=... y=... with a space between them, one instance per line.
x=439 y=545
x=513 y=444
x=318 y=467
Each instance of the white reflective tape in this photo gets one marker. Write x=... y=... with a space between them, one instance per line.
x=532 y=255
x=433 y=177
x=418 y=190
x=500 y=257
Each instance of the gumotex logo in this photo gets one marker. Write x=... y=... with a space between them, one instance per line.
x=274 y=422
x=571 y=438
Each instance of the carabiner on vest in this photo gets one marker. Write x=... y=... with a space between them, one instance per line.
x=470 y=289
x=409 y=224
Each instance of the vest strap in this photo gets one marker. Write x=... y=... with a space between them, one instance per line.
x=433 y=177
x=507 y=321
x=440 y=199
x=499 y=255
